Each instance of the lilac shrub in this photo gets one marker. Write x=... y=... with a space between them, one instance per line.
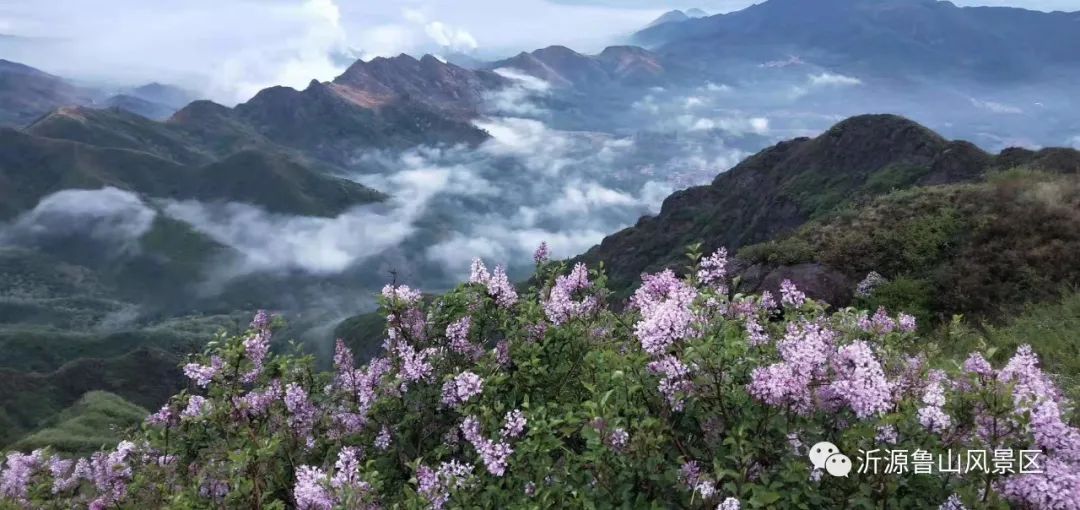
x=490 y=396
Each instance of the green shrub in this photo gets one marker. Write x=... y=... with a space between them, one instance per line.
x=486 y=398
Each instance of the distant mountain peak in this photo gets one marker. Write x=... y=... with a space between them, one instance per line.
x=674 y=16
x=199 y=109
x=888 y=127
x=429 y=80
x=564 y=67
x=557 y=50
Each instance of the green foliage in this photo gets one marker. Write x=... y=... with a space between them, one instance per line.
x=894 y=177
x=1051 y=330
x=916 y=297
x=981 y=250
x=606 y=424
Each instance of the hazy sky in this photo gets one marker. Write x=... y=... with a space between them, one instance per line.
x=229 y=49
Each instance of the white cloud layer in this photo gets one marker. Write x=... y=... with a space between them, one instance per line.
x=995 y=107
x=113 y=216
x=275 y=242
x=828 y=79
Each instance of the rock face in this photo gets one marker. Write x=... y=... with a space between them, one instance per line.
x=438 y=85
x=816 y=280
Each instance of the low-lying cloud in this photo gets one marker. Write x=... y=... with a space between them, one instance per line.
x=114 y=217
x=264 y=241
x=528 y=183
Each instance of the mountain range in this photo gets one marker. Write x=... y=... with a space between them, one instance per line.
x=27 y=93
x=921 y=38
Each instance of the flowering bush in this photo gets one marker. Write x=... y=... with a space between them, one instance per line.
x=691 y=397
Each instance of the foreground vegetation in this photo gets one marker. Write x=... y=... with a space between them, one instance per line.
x=692 y=397
x=981 y=249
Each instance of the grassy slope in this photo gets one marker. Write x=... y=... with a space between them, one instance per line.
x=981 y=249
x=144 y=377
x=1050 y=328
x=97 y=420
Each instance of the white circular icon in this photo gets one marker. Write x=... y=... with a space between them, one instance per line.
x=820 y=452
x=838 y=464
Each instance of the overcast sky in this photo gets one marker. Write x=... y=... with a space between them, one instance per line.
x=229 y=49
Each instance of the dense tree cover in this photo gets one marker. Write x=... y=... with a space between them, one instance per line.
x=691 y=397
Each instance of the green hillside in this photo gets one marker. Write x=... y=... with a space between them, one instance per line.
x=981 y=249
x=145 y=377
x=97 y=420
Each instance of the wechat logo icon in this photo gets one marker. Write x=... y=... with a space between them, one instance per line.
x=827 y=456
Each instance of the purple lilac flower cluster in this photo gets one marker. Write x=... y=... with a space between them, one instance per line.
x=496 y=282
x=458 y=334
x=666 y=314
x=514 y=424
x=867 y=286
x=436 y=485
x=619 y=439
x=804 y=351
x=302 y=413
x=790 y=295
x=932 y=414
x=675 y=383
x=197 y=407
x=402 y=294
x=542 y=253
x=859 y=381
x=561 y=305
x=494 y=454
x=729 y=504
x=712 y=271
x=15 y=479
x=203 y=374
x=257 y=345
x=315 y=489
x=462 y=388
